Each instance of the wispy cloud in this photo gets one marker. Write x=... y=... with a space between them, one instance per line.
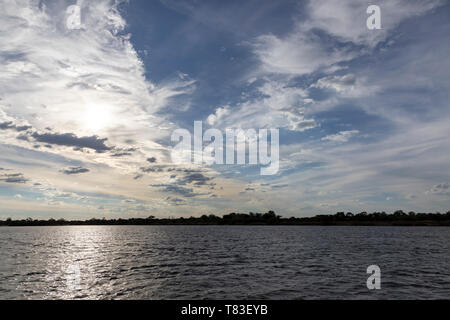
x=342 y=136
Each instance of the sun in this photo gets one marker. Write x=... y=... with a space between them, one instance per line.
x=97 y=117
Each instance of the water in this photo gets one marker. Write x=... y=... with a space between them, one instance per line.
x=223 y=262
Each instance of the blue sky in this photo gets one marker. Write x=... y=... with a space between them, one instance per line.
x=86 y=115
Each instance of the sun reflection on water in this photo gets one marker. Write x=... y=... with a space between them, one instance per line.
x=74 y=263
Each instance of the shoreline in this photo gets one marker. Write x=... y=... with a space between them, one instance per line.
x=399 y=224
x=398 y=218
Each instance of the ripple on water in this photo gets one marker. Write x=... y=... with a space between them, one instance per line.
x=222 y=262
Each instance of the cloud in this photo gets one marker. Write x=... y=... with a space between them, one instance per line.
x=219 y=115
x=331 y=33
x=280 y=186
x=440 y=189
x=300 y=53
x=13 y=178
x=74 y=170
x=275 y=104
x=342 y=136
x=196 y=178
x=121 y=154
x=176 y=189
x=359 y=173
x=302 y=125
x=176 y=201
x=11 y=125
x=88 y=85
x=337 y=83
x=184 y=170
x=71 y=140
x=153 y=169
x=346 y=19
x=94 y=92
x=179 y=186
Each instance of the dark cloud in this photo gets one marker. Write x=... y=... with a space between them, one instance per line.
x=176 y=201
x=22 y=128
x=13 y=126
x=71 y=140
x=152 y=169
x=121 y=154
x=13 y=178
x=6 y=125
x=74 y=170
x=138 y=176
x=152 y=160
x=13 y=175
x=176 y=189
x=280 y=186
x=64 y=139
x=197 y=178
x=183 y=170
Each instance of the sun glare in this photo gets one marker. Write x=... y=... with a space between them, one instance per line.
x=97 y=117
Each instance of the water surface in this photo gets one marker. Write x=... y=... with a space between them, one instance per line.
x=223 y=262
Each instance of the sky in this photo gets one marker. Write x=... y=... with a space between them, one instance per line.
x=87 y=114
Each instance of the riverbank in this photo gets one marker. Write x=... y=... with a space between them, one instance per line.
x=398 y=218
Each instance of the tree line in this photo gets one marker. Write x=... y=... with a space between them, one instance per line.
x=269 y=218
